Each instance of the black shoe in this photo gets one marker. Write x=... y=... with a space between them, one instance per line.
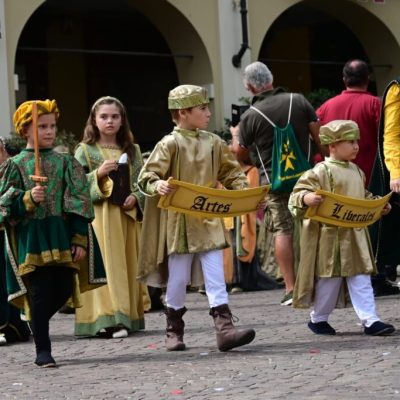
x=287 y=299
x=321 y=328
x=384 y=288
x=202 y=290
x=391 y=272
x=157 y=305
x=45 y=360
x=66 y=310
x=16 y=333
x=379 y=328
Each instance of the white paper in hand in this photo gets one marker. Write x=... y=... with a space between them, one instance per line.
x=123 y=159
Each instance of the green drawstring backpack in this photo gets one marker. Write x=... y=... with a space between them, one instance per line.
x=288 y=159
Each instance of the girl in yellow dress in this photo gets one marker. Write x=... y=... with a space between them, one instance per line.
x=117 y=308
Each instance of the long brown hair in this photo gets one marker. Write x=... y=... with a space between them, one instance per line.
x=124 y=138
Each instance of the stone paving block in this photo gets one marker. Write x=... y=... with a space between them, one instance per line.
x=285 y=361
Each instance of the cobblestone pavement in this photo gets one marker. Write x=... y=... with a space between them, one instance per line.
x=285 y=361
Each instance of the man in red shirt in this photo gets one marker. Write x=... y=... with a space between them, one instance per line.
x=356 y=104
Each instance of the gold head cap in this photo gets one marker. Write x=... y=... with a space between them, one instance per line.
x=338 y=131
x=187 y=96
x=23 y=116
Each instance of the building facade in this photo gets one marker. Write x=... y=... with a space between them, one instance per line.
x=76 y=51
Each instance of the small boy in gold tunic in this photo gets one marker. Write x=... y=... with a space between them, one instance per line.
x=329 y=253
x=193 y=155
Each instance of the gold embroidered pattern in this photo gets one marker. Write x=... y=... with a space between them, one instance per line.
x=28 y=202
x=80 y=240
x=92 y=279
x=14 y=266
x=48 y=257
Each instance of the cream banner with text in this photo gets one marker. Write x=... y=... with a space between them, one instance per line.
x=347 y=212
x=201 y=201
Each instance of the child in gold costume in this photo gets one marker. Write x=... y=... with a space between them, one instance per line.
x=171 y=241
x=330 y=255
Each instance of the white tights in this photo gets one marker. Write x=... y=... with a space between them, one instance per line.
x=361 y=295
x=179 y=269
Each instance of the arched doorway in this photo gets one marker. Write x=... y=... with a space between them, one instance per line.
x=76 y=51
x=323 y=44
x=308 y=44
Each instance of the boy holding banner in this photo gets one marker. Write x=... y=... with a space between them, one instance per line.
x=172 y=241
x=330 y=251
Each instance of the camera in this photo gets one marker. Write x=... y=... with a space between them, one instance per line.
x=237 y=111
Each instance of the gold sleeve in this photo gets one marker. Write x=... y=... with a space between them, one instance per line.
x=156 y=168
x=80 y=240
x=28 y=201
x=391 y=135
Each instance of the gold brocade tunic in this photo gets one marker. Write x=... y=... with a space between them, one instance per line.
x=328 y=251
x=197 y=157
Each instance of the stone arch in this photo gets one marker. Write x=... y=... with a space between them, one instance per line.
x=367 y=36
x=139 y=59
x=185 y=38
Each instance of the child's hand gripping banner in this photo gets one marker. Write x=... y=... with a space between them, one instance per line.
x=201 y=201
x=346 y=212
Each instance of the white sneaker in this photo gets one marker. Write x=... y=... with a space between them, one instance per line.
x=122 y=333
x=3 y=340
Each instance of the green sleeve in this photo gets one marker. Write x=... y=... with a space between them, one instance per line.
x=76 y=193
x=99 y=189
x=12 y=192
x=79 y=230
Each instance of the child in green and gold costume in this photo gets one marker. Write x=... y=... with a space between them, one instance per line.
x=47 y=226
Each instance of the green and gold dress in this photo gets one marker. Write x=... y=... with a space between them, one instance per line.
x=120 y=302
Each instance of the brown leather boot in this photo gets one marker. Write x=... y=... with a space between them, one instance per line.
x=228 y=337
x=175 y=328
